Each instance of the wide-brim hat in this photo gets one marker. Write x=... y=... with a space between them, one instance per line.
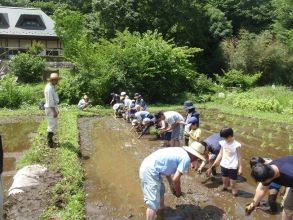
x=196 y=149
x=188 y=105
x=85 y=97
x=54 y=76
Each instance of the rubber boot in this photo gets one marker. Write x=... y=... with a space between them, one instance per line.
x=50 y=139
x=272 y=202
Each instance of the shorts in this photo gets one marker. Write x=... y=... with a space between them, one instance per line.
x=288 y=199
x=152 y=187
x=168 y=136
x=176 y=133
x=231 y=173
x=274 y=186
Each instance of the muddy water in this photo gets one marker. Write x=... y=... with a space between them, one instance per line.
x=113 y=155
x=16 y=134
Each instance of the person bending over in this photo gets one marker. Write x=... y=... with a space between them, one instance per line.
x=169 y=162
x=278 y=171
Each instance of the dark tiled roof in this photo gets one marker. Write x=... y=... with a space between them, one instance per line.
x=14 y=15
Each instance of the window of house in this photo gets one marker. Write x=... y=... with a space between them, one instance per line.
x=30 y=22
x=3 y=21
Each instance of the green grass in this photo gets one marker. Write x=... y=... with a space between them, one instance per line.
x=63 y=159
x=282 y=94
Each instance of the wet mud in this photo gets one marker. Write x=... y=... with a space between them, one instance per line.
x=112 y=155
x=31 y=203
x=17 y=134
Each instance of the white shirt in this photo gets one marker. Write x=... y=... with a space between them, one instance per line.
x=229 y=158
x=172 y=117
x=127 y=103
x=81 y=104
x=51 y=97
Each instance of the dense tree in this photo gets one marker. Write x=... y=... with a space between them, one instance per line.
x=283 y=25
x=260 y=53
x=253 y=15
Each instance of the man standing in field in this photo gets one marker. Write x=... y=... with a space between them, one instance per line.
x=51 y=106
x=170 y=162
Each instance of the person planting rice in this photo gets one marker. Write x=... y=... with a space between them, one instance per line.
x=194 y=136
x=174 y=121
x=195 y=131
x=169 y=162
x=118 y=109
x=83 y=103
x=51 y=106
x=115 y=99
x=279 y=171
x=230 y=158
x=213 y=149
x=273 y=188
x=190 y=109
x=139 y=101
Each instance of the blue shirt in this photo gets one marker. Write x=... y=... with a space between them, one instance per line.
x=213 y=143
x=142 y=103
x=285 y=166
x=141 y=115
x=192 y=114
x=167 y=161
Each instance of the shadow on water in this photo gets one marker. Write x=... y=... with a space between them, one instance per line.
x=191 y=212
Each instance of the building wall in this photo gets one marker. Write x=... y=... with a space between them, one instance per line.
x=51 y=47
x=23 y=43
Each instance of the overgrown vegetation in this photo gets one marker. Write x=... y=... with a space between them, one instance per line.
x=14 y=95
x=262 y=99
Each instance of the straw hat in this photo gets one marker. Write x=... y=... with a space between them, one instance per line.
x=85 y=97
x=54 y=76
x=196 y=149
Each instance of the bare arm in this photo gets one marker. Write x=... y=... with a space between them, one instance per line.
x=176 y=183
x=260 y=192
x=218 y=159
x=239 y=161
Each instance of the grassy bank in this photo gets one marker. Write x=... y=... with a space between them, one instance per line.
x=63 y=159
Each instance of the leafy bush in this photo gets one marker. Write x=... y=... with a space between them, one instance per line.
x=247 y=101
x=133 y=62
x=235 y=78
x=27 y=68
x=13 y=95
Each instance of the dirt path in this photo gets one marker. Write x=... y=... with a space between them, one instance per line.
x=31 y=203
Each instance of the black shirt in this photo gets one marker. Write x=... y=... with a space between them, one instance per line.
x=285 y=166
x=213 y=143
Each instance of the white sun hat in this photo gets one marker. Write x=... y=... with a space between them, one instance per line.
x=196 y=149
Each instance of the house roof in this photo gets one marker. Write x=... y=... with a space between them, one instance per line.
x=15 y=18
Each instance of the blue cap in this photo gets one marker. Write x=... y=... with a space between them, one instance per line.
x=192 y=120
x=188 y=105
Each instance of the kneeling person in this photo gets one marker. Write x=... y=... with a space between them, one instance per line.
x=166 y=162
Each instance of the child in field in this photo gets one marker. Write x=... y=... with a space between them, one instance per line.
x=230 y=158
x=194 y=136
x=195 y=131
